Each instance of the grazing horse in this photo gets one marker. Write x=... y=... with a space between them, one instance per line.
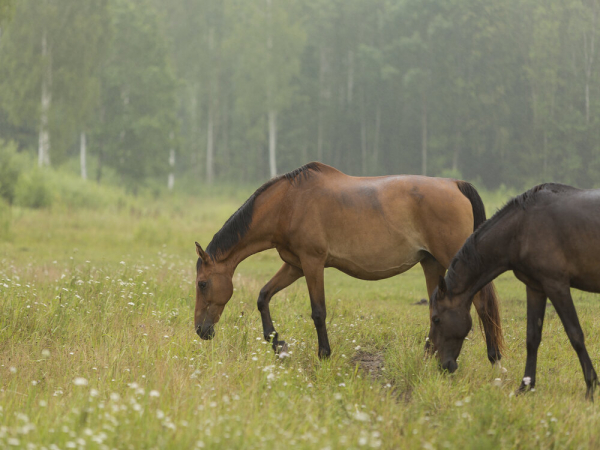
x=549 y=237
x=369 y=228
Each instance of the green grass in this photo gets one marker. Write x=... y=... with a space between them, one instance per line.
x=107 y=296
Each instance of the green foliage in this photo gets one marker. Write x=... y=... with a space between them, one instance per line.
x=33 y=190
x=138 y=90
x=5 y=220
x=10 y=168
x=504 y=92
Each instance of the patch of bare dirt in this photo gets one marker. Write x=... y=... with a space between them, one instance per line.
x=370 y=363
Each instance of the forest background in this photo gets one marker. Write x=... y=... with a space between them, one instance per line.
x=145 y=93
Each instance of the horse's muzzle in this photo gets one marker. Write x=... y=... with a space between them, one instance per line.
x=205 y=332
x=450 y=366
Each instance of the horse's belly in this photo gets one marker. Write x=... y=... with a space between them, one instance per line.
x=372 y=270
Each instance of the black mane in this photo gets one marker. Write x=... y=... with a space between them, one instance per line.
x=469 y=255
x=238 y=224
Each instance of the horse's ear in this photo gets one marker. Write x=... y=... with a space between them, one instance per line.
x=201 y=253
x=442 y=285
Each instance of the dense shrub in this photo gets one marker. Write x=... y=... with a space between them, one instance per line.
x=5 y=220
x=10 y=168
x=33 y=190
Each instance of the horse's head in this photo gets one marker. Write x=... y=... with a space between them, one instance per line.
x=450 y=324
x=214 y=288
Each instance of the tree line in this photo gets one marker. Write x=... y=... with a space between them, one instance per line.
x=240 y=90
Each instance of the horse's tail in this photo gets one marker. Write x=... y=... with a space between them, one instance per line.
x=489 y=297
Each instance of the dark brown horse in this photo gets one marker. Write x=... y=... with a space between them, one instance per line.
x=550 y=238
x=369 y=228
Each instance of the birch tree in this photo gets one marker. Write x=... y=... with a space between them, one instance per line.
x=270 y=41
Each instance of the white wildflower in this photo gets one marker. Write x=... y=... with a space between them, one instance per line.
x=361 y=416
x=46 y=353
x=79 y=381
x=13 y=369
x=154 y=394
x=94 y=393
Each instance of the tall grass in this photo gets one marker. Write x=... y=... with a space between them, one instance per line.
x=97 y=350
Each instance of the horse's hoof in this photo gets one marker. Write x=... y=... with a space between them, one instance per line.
x=324 y=353
x=283 y=350
x=279 y=346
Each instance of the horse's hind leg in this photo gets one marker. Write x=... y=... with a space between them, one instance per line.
x=563 y=304
x=285 y=276
x=433 y=270
x=480 y=301
x=313 y=271
x=536 y=309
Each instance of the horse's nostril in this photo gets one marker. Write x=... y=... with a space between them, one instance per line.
x=450 y=366
x=206 y=332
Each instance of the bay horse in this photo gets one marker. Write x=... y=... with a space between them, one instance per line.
x=549 y=237
x=368 y=227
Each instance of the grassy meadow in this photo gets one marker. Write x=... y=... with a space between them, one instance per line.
x=98 y=350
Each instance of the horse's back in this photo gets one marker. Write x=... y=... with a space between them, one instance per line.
x=561 y=233
x=375 y=227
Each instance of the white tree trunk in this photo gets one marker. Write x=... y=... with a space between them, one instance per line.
x=424 y=138
x=363 y=135
x=272 y=113
x=210 y=150
x=171 y=181
x=350 y=75
x=44 y=136
x=209 y=146
x=83 y=155
x=376 y=137
x=323 y=96
x=272 y=142
x=589 y=53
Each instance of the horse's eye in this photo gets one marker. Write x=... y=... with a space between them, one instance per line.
x=202 y=284
x=435 y=319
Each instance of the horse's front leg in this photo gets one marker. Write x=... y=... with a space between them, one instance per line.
x=536 y=309
x=313 y=271
x=285 y=276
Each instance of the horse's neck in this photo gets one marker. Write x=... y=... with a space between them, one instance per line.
x=262 y=232
x=493 y=249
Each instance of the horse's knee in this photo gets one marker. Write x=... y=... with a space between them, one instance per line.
x=262 y=303
x=318 y=317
